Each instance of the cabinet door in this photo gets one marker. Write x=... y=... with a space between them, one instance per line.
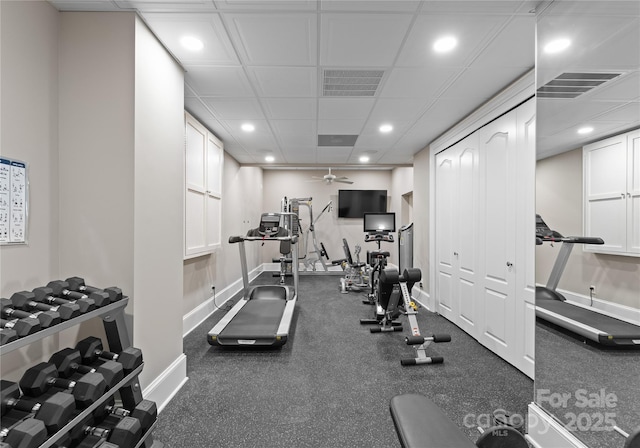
x=196 y=188
x=214 y=192
x=633 y=192
x=497 y=223
x=605 y=187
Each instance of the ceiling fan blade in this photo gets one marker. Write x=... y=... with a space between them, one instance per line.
x=343 y=178
x=343 y=181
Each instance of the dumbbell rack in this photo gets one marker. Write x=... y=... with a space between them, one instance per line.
x=118 y=338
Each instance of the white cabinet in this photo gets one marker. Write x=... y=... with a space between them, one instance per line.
x=484 y=225
x=611 y=170
x=203 y=163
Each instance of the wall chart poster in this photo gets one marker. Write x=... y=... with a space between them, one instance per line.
x=13 y=201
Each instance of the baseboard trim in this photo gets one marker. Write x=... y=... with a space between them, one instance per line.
x=168 y=383
x=423 y=298
x=200 y=313
x=545 y=431
x=606 y=307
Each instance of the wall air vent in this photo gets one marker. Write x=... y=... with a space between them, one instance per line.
x=571 y=85
x=350 y=83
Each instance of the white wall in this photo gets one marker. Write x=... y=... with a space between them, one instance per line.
x=330 y=230
x=421 y=215
x=559 y=202
x=29 y=123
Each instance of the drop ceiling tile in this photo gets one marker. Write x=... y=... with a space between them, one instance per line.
x=473 y=6
x=444 y=110
x=295 y=132
x=299 y=154
x=369 y=6
x=417 y=82
x=472 y=31
x=340 y=127
x=218 y=81
x=166 y=5
x=333 y=155
x=274 y=39
x=402 y=109
x=479 y=84
x=76 y=5
x=235 y=109
x=261 y=138
x=628 y=113
x=344 y=108
x=267 y=5
x=350 y=40
x=196 y=108
x=626 y=88
x=285 y=81
x=514 y=46
x=170 y=28
x=295 y=108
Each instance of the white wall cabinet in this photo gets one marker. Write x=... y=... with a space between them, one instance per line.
x=484 y=235
x=203 y=189
x=612 y=194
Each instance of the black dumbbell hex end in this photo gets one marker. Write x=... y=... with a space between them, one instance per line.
x=130 y=358
x=56 y=411
x=7 y=335
x=26 y=434
x=101 y=298
x=21 y=298
x=23 y=327
x=147 y=413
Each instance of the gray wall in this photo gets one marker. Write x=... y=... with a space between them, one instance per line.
x=421 y=216
x=559 y=201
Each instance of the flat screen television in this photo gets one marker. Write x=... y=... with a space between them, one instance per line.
x=355 y=203
x=379 y=222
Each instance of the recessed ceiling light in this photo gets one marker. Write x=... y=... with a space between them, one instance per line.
x=192 y=43
x=269 y=159
x=556 y=46
x=364 y=159
x=445 y=44
x=585 y=130
x=248 y=127
x=386 y=128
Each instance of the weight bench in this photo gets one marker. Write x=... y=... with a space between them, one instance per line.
x=420 y=423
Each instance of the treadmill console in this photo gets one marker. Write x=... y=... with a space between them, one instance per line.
x=544 y=232
x=269 y=224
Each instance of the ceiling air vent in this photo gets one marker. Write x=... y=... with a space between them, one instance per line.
x=571 y=85
x=350 y=82
x=337 y=140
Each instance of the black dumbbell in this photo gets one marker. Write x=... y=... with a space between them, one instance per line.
x=54 y=411
x=126 y=433
x=68 y=362
x=95 y=442
x=23 y=433
x=91 y=350
x=39 y=378
x=77 y=284
x=45 y=295
x=7 y=335
x=47 y=318
x=23 y=327
x=146 y=412
x=61 y=289
x=26 y=300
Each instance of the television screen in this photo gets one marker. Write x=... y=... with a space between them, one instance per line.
x=355 y=203
x=379 y=222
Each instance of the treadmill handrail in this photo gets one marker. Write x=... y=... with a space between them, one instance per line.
x=237 y=239
x=574 y=239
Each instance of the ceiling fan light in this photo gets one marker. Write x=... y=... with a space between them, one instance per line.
x=364 y=159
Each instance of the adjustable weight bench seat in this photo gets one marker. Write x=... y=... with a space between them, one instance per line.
x=420 y=423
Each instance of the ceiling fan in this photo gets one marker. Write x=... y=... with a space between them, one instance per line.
x=330 y=178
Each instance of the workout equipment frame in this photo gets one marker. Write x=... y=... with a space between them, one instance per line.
x=263 y=316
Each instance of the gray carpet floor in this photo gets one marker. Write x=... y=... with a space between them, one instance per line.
x=331 y=383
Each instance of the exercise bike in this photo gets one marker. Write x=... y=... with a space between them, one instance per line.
x=378 y=228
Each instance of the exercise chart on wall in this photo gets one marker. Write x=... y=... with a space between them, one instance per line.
x=13 y=201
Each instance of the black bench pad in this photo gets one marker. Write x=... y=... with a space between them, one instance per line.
x=420 y=423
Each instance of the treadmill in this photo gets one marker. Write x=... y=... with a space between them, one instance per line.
x=553 y=307
x=263 y=316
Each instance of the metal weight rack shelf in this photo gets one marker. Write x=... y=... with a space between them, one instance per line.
x=118 y=339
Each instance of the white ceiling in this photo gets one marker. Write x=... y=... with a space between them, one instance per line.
x=263 y=61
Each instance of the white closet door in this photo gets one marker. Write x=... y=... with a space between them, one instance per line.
x=445 y=206
x=497 y=223
x=466 y=239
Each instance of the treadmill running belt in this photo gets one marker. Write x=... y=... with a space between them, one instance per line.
x=610 y=329
x=257 y=320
